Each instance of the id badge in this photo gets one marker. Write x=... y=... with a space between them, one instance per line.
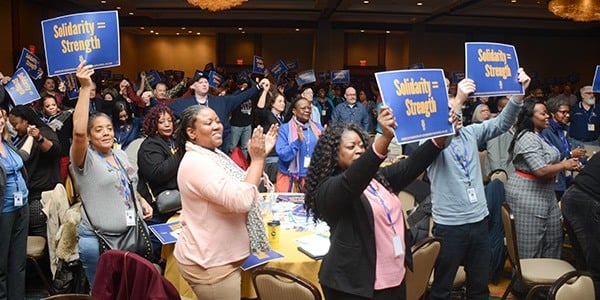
x=130 y=217
x=591 y=127
x=323 y=112
x=18 y=198
x=472 y=195
x=306 y=162
x=398 y=248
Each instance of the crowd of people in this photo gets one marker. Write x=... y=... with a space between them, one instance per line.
x=325 y=140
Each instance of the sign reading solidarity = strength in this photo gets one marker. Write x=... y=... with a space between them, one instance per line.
x=93 y=37
x=493 y=67
x=419 y=101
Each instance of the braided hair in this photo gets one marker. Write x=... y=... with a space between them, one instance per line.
x=324 y=163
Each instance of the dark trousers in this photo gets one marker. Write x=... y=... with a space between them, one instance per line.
x=13 y=253
x=394 y=293
x=467 y=245
x=582 y=213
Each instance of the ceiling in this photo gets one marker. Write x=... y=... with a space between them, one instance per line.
x=265 y=16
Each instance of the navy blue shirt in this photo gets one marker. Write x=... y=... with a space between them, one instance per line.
x=585 y=124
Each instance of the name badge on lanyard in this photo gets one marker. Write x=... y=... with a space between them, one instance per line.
x=18 y=198
x=591 y=127
x=130 y=217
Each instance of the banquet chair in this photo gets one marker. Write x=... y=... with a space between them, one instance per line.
x=573 y=285
x=424 y=255
x=36 y=250
x=277 y=284
x=536 y=272
x=70 y=297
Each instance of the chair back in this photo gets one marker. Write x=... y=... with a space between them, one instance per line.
x=71 y=297
x=510 y=233
x=277 y=284
x=71 y=185
x=408 y=202
x=424 y=255
x=573 y=285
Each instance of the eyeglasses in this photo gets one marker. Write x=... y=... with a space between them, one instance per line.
x=564 y=112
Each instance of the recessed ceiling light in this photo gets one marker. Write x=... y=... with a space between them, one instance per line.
x=189 y=31
x=182 y=28
x=362 y=30
x=240 y=28
x=151 y=31
x=118 y=7
x=177 y=33
x=297 y=29
x=387 y=31
x=243 y=32
x=156 y=33
x=513 y=1
x=419 y=3
x=131 y=14
x=103 y=1
x=197 y=33
x=142 y=28
x=365 y=1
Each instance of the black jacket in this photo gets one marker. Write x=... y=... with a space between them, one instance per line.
x=350 y=264
x=43 y=167
x=157 y=166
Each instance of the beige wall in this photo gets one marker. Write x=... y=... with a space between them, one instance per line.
x=362 y=46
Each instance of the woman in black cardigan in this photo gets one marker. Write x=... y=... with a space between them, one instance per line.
x=158 y=161
x=347 y=189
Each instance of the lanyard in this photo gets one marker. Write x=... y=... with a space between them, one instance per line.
x=279 y=120
x=588 y=113
x=463 y=160
x=13 y=164
x=122 y=176
x=548 y=142
x=563 y=140
x=388 y=213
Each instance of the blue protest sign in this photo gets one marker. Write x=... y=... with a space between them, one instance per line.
x=494 y=68
x=416 y=66
x=71 y=85
x=103 y=74
x=258 y=66
x=21 y=89
x=293 y=65
x=209 y=67
x=93 y=37
x=215 y=79
x=457 y=76
x=306 y=77
x=178 y=75
x=419 y=101
x=324 y=75
x=340 y=76
x=278 y=69
x=596 y=82
x=30 y=63
x=152 y=77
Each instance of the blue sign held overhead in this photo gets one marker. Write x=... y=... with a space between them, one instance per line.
x=457 y=76
x=30 y=63
x=71 y=85
x=152 y=77
x=293 y=65
x=340 y=76
x=419 y=101
x=215 y=79
x=258 y=66
x=306 y=77
x=324 y=75
x=596 y=82
x=178 y=75
x=21 y=89
x=278 y=69
x=92 y=36
x=209 y=67
x=494 y=69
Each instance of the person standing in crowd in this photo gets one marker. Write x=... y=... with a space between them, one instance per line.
x=218 y=200
x=530 y=193
x=61 y=122
x=459 y=206
x=43 y=165
x=158 y=161
x=295 y=145
x=127 y=127
x=346 y=188
x=14 y=214
x=308 y=94
x=271 y=114
x=581 y=209
x=557 y=134
x=325 y=106
x=371 y=108
x=222 y=105
x=103 y=176
x=241 y=121
x=350 y=111
x=585 y=118
x=49 y=88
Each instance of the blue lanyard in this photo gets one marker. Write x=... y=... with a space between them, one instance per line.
x=122 y=176
x=548 y=142
x=563 y=140
x=388 y=213
x=463 y=160
x=13 y=164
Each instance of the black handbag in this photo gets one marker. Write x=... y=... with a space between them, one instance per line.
x=167 y=201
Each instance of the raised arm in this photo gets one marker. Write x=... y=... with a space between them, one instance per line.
x=81 y=115
x=263 y=96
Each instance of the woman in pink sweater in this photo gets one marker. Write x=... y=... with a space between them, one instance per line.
x=217 y=198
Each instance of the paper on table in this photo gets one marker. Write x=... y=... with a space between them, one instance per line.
x=315 y=245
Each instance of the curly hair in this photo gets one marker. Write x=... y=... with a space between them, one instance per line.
x=150 y=124
x=324 y=163
x=524 y=122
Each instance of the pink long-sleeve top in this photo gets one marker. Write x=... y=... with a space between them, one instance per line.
x=214 y=211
